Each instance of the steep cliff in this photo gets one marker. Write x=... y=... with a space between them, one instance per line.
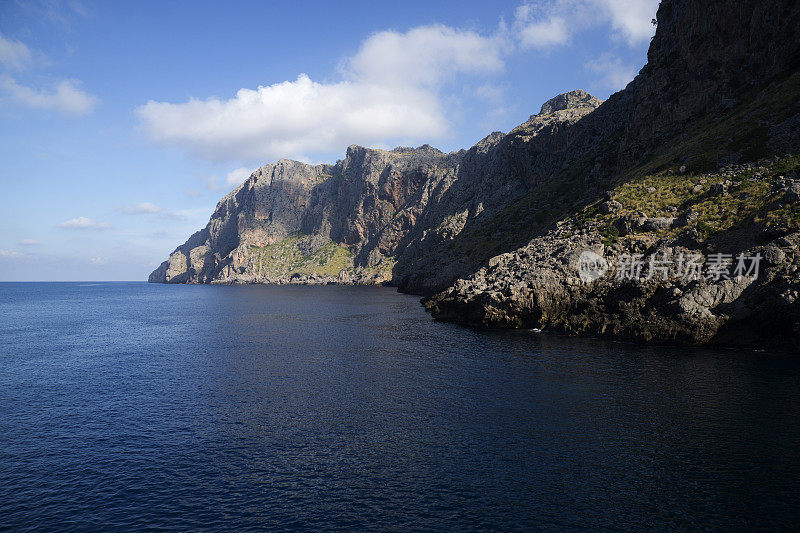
x=697 y=155
x=698 y=158
x=376 y=216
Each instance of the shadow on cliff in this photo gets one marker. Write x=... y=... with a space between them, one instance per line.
x=699 y=65
x=510 y=193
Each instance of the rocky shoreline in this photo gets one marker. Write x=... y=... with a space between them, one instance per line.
x=540 y=287
x=643 y=288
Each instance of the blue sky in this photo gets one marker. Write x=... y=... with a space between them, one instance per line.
x=123 y=123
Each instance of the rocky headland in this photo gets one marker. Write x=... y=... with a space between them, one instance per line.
x=581 y=220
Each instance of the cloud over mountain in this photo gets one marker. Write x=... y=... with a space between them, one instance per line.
x=389 y=91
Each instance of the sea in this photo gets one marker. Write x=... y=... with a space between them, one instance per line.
x=135 y=406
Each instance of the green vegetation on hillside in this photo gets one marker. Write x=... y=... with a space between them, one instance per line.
x=657 y=188
x=752 y=199
x=291 y=256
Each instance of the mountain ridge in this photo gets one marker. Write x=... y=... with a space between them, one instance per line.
x=369 y=202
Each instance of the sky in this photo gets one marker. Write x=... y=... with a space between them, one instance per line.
x=122 y=124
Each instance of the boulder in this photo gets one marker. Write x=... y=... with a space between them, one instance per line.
x=610 y=207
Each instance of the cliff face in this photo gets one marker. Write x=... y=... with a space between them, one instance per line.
x=704 y=59
x=716 y=260
x=292 y=221
x=698 y=154
x=372 y=216
x=697 y=158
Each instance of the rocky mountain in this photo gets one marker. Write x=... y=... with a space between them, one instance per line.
x=376 y=216
x=716 y=260
x=697 y=157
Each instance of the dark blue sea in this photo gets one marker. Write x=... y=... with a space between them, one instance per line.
x=129 y=406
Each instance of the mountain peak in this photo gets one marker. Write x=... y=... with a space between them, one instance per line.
x=569 y=100
x=425 y=148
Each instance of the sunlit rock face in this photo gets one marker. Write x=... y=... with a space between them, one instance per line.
x=387 y=211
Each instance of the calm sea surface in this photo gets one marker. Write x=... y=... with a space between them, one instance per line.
x=128 y=406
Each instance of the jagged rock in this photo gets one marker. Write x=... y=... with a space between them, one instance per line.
x=623 y=226
x=549 y=295
x=719 y=189
x=611 y=206
x=570 y=100
x=644 y=223
x=658 y=223
x=774 y=255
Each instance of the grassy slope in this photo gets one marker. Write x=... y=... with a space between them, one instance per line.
x=285 y=258
x=657 y=188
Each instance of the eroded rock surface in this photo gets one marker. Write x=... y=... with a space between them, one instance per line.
x=540 y=286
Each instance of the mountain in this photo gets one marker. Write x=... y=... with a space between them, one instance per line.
x=377 y=215
x=696 y=157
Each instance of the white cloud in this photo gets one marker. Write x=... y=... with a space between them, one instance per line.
x=29 y=242
x=236 y=177
x=423 y=57
x=614 y=74
x=493 y=95
x=67 y=98
x=9 y=253
x=212 y=183
x=389 y=91
x=83 y=223
x=544 y=33
x=547 y=24
x=489 y=92
x=14 y=54
x=291 y=119
x=99 y=260
x=142 y=208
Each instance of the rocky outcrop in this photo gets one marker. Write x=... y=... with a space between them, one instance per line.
x=358 y=206
x=718 y=271
x=577 y=99
x=720 y=87
x=542 y=286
